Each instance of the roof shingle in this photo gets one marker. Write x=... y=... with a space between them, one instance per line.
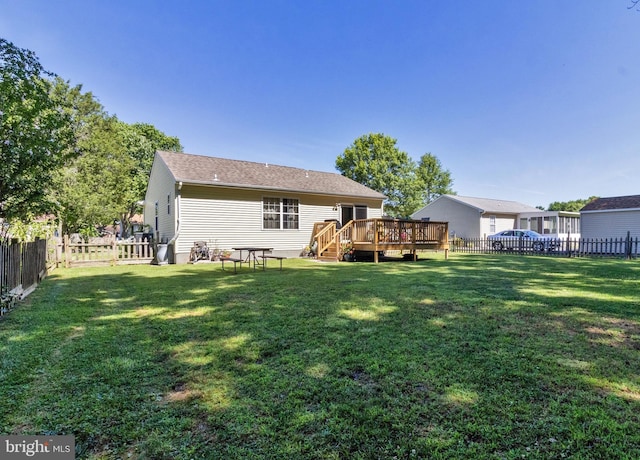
x=615 y=202
x=197 y=169
x=495 y=206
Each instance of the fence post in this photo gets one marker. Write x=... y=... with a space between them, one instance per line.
x=66 y=250
x=627 y=246
x=58 y=253
x=114 y=252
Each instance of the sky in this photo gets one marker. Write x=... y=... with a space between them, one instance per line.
x=533 y=101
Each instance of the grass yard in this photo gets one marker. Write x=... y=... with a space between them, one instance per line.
x=474 y=357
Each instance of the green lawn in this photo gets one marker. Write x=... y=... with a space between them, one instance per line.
x=472 y=357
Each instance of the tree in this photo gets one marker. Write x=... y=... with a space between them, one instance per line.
x=140 y=142
x=36 y=134
x=106 y=182
x=574 y=205
x=375 y=161
x=435 y=180
x=109 y=176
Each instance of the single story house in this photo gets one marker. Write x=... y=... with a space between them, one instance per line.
x=611 y=217
x=232 y=203
x=471 y=217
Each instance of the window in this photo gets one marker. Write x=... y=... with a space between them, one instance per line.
x=280 y=213
x=361 y=212
x=271 y=213
x=569 y=225
x=290 y=214
x=550 y=225
x=492 y=224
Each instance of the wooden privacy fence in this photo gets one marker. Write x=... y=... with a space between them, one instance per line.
x=114 y=252
x=627 y=247
x=22 y=266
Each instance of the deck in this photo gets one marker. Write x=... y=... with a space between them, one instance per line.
x=376 y=235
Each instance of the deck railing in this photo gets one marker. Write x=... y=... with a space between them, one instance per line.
x=324 y=233
x=393 y=231
x=379 y=234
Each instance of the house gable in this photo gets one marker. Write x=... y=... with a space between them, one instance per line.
x=160 y=200
x=471 y=217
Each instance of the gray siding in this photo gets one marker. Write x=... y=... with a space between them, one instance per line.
x=610 y=224
x=464 y=221
x=228 y=217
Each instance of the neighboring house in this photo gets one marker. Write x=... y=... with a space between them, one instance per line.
x=232 y=203
x=611 y=217
x=471 y=217
x=556 y=224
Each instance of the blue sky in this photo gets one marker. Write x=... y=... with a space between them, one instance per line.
x=534 y=101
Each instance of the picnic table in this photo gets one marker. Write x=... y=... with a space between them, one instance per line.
x=252 y=255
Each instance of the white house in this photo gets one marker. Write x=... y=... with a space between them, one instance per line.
x=611 y=217
x=471 y=217
x=232 y=203
x=556 y=224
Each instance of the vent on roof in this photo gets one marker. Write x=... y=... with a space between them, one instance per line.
x=215 y=178
x=266 y=165
x=306 y=174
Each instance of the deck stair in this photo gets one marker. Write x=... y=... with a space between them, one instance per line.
x=324 y=239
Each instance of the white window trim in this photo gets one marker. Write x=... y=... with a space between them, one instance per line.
x=281 y=212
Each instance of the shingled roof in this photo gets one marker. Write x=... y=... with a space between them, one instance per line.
x=204 y=170
x=613 y=203
x=489 y=205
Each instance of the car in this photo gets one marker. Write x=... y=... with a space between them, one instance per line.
x=521 y=239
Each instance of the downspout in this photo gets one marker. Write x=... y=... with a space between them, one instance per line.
x=172 y=241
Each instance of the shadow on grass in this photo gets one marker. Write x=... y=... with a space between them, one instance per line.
x=478 y=356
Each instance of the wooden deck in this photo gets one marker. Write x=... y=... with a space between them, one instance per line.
x=377 y=235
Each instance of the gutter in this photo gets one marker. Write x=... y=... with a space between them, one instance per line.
x=177 y=233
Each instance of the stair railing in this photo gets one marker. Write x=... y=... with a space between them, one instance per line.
x=325 y=237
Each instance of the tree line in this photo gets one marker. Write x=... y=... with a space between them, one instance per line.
x=63 y=155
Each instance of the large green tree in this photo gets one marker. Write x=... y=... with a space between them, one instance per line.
x=106 y=182
x=36 y=135
x=140 y=142
x=434 y=179
x=375 y=161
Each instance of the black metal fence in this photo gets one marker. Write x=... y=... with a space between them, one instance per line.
x=627 y=247
x=22 y=266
